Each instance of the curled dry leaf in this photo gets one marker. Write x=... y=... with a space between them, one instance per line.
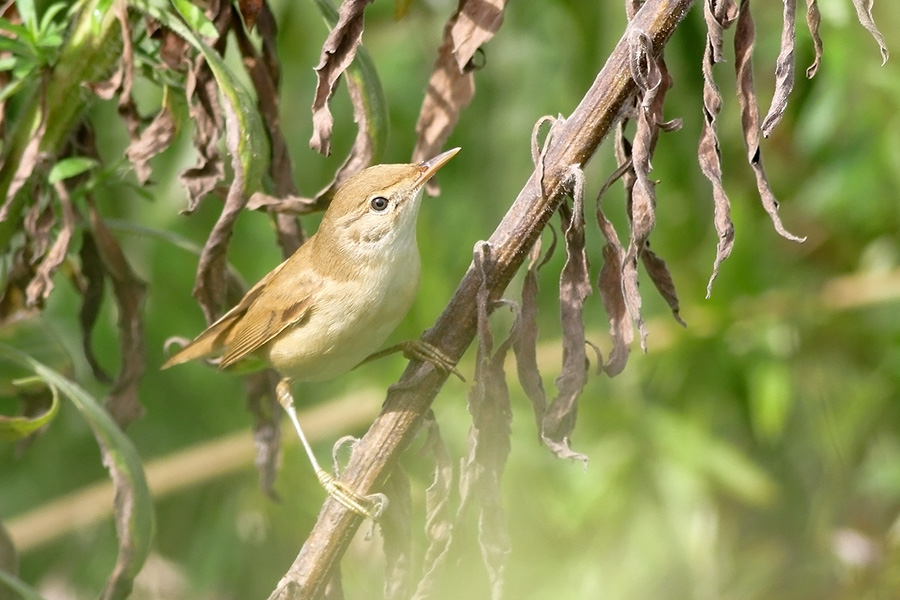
x=265 y=74
x=525 y=345
x=397 y=534
x=155 y=138
x=452 y=84
x=42 y=283
x=210 y=285
x=864 y=14
x=574 y=286
x=337 y=54
x=489 y=436
x=123 y=401
x=708 y=153
x=813 y=20
x=438 y=509
x=744 y=39
x=206 y=114
x=475 y=24
x=784 y=69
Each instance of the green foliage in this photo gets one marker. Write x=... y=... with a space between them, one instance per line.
x=752 y=455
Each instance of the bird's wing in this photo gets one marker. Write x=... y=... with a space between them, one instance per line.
x=276 y=308
x=213 y=339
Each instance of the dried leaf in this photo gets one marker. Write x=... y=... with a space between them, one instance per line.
x=155 y=138
x=813 y=19
x=609 y=282
x=784 y=69
x=662 y=279
x=438 y=509
x=864 y=14
x=17 y=275
x=488 y=437
x=250 y=10
x=262 y=404
x=396 y=529
x=574 y=286
x=265 y=73
x=708 y=154
x=39 y=222
x=42 y=283
x=337 y=54
x=206 y=114
x=744 y=39
x=210 y=285
x=449 y=90
x=476 y=24
x=525 y=346
x=123 y=401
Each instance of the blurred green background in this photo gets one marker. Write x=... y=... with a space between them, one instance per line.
x=755 y=454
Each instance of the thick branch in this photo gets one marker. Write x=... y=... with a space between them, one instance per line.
x=572 y=144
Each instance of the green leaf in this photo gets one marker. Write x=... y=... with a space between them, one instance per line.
x=135 y=521
x=16 y=428
x=27 y=12
x=70 y=167
x=25 y=591
x=196 y=19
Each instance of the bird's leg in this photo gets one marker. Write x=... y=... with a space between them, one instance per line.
x=423 y=351
x=365 y=506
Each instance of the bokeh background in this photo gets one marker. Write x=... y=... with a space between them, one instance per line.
x=755 y=454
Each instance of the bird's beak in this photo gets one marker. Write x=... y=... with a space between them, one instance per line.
x=430 y=167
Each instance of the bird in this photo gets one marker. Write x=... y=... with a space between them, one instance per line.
x=335 y=300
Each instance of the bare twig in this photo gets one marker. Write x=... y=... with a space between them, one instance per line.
x=406 y=404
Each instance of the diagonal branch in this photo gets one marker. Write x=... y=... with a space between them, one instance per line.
x=407 y=403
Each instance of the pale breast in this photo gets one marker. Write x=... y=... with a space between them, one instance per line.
x=348 y=321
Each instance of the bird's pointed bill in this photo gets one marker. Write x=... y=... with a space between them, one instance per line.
x=430 y=167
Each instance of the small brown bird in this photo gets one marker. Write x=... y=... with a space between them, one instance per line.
x=331 y=304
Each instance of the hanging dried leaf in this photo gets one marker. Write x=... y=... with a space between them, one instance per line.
x=475 y=25
x=864 y=14
x=744 y=39
x=250 y=10
x=210 y=285
x=662 y=279
x=438 y=509
x=610 y=283
x=813 y=19
x=574 y=286
x=265 y=73
x=450 y=89
x=525 y=346
x=337 y=54
x=38 y=223
x=42 y=284
x=155 y=138
x=784 y=69
x=123 y=401
x=397 y=531
x=262 y=404
x=488 y=437
x=206 y=115
x=708 y=154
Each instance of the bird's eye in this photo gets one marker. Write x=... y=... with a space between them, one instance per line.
x=379 y=203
